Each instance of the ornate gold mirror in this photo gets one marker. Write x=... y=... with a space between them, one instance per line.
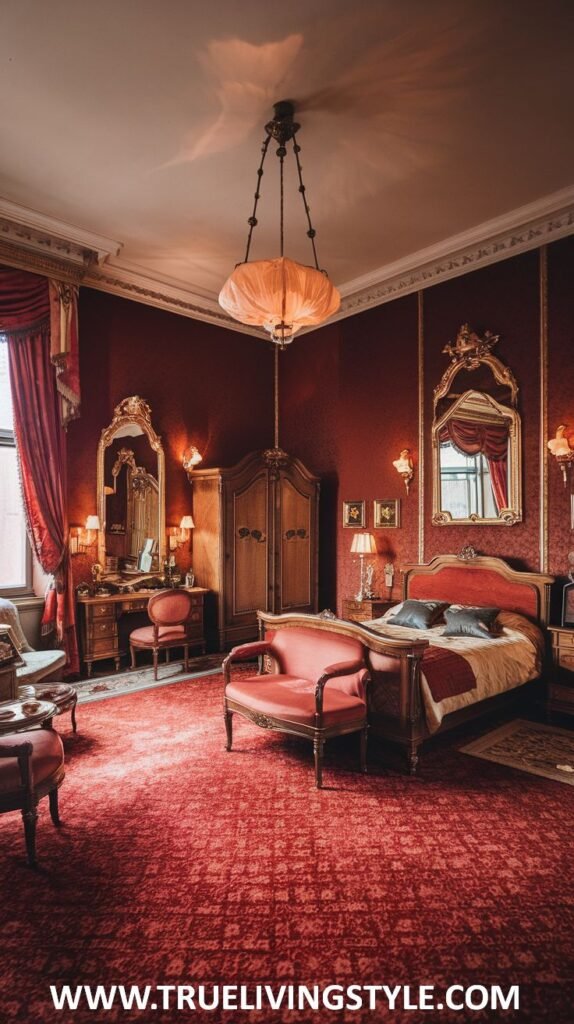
x=476 y=438
x=131 y=492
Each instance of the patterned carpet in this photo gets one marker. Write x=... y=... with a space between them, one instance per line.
x=531 y=747
x=181 y=863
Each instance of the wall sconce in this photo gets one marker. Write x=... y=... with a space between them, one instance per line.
x=404 y=466
x=84 y=537
x=364 y=544
x=190 y=459
x=560 y=447
x=179 y=535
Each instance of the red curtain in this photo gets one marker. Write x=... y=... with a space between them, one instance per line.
x=491 y=439
x=40 y=442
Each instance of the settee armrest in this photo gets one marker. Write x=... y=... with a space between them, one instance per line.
x=243 y=653
x=341 y=668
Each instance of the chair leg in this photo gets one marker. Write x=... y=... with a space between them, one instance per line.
x=155 y=654
x=30 y=818
x=54 y=812
x=167 y=655
x=186 y=657
x=73 y=716
x=228 y=716
x=364 y=741
x=318 y=744
x=133 y=654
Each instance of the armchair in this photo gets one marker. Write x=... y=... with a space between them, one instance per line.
x=31 y=767
x=314 y=686
x=38 y=665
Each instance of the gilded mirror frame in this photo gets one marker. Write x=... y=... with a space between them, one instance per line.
x=132 y=411
x=468 y=353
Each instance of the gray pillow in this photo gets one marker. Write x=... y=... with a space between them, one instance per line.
x=467 y=620
x=418 y=614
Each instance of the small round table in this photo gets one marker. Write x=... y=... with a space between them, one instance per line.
x=62 y=695
x=13 y=718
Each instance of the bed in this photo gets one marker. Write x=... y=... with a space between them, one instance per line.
x=402 y=706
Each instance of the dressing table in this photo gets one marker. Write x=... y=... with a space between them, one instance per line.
x=99 y=623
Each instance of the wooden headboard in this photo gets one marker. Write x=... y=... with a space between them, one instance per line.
x=480 y=580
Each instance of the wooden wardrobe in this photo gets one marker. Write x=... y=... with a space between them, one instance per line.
x=255 y=542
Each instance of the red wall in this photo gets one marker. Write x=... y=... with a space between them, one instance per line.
x=206 y=386
x=350 y=403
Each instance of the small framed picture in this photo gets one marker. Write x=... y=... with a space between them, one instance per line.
x=568 y=605
x=9 y=653
x=387 y=513
x=354 y=514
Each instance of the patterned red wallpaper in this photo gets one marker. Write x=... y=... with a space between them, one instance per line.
x=349 y=403
x=205 y=385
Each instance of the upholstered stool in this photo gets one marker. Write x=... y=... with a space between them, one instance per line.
x=31 y=767
x=64 y=696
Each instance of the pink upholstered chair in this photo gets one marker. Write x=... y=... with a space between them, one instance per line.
x=31 y=767
x=316 y=687
x=170 y=612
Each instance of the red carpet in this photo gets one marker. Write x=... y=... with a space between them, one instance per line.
x=180 y=863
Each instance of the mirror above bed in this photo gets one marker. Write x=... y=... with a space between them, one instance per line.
x=131 y=492
x=476 y=437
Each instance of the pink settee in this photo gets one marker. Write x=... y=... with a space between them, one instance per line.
x=311 y=683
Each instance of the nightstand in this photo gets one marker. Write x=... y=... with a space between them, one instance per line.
x=368 y=608
x=560 y=691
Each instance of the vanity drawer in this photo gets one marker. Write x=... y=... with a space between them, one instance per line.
x=107 y=627
x=135 y=605
x=101 y=611
x=107 y=647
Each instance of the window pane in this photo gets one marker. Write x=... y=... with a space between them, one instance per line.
x=5 y=396
x=12 y=529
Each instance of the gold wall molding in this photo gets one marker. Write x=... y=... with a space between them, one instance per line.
x=421 y=473
x=543 y=291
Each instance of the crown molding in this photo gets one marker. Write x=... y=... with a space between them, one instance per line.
x=527 y=227
x=33 y=241
x=43 y=234
x=130 y=282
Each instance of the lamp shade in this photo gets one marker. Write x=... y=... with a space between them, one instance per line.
x=280 y=295
x=93 y=523
x=364 y=544
x=191 y=457
x=187 y=523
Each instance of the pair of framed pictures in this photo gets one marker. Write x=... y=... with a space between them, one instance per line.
x=386 y=513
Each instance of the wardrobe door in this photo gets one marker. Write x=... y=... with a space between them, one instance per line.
x=296 y=543
x=246 y=550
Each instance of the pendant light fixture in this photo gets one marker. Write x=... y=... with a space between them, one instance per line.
x=279 y=294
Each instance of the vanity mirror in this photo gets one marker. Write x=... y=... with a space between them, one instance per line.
x=476 y=437
x=131 y=492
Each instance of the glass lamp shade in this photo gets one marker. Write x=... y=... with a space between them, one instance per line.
x=93 y=523
x=280 y=295
x=363 y=544
x=187 y=523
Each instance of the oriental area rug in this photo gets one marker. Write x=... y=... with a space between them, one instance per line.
x=142 y=678
x=180 y=864
x=531 y=747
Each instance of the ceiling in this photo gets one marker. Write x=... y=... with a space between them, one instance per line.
x=428 y=131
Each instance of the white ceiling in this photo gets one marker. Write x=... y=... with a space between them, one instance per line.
x=422 y=122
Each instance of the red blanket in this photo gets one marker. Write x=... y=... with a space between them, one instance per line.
x=447 y=673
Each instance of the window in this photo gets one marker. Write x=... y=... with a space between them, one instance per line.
x=15 y=553
x=466 y=487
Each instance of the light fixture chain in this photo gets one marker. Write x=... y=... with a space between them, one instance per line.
x=276 y=396
x=281 y=202
x=311 y=232
x=252 y=221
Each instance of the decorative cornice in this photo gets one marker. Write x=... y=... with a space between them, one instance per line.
x=525 y=228
x=34 y=241
x=130 y=282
